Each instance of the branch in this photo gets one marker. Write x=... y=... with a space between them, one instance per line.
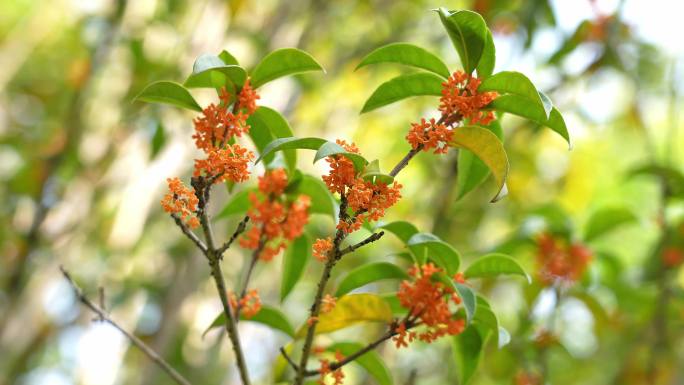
x=250 y=269
x=239 y=230
x=372 y=238
x=104 y=317
x=288 y=359
x=186 y=230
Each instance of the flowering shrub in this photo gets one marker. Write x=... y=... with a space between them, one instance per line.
x=433 y=300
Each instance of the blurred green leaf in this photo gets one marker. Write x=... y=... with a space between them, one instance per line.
x=268 y=316
x=168 y=93
x=402 y=87
x=487 y=146
x=283 y=62
x=408 y=54
x=467 y=348
x=606 y=220
x=322 y=201
x=469 y=301
x=485 y=67
x=370 y=361
x=522 y=106
x=468 y=32
x=366 y=274
x=402 y=229
x=228 y=58
x=492 y=265
x=237 y=204
x=294 y=264
x=158 y=140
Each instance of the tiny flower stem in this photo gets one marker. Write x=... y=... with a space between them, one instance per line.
x=104 y=317
x=186 y=230
x=372 y=238
x=239 y=230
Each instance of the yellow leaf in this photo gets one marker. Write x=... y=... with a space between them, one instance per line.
x=352 y=309
x=486 y=146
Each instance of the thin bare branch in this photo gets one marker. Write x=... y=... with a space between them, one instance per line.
x=372 y=238
x=239 y=230
x=104 y=317
x=186 y=230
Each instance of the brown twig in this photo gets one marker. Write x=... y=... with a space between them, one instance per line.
x=186 y=230
x=372 y=238
x=239 y=230
x=104 y=317
x=250 y=269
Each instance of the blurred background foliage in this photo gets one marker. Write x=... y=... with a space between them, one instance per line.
x=83 y=169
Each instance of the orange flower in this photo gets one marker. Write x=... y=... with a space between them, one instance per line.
x=428 y=302
x=249 y=305
x=321 y=248
x=460 y=96
x=558 y=261
x=527 y=378
x=229 y=163
x=328 y=303
x=248 y=97
x=342 y=172
x=672 y=257
x=337 y=374
x=181 y=201
x=276 y=221
x=430 y=135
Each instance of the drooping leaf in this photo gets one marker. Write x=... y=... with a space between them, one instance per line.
x=266 y=125
x=352 y=309
x=471 y=170
x=268 y=316
x=238 y=204
x=492 y=265
x=469 y=301
x=468 y=32
x=211 y=71
x=369 y=273
x=402 y=87
x=439 y=251
x=486 y=146
x=332 y=148
x=467 y=348
x=606 y=220
x=370 y=361
x=402 y=229
x=485 y=67
x=168 y=93
x=283 y=62
x=294 y=263
x=408 y=54
x=515 y=83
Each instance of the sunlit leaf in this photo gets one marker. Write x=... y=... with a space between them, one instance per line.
x=471 y=170
x=324 y=148
x=492 y=265
x=402 y=229
x=332 y=148
x=370 y=361
x=486 y=146
x=283 y=62
x=268 y=316
x=408 y=54
x=439 y=251
x=266 y=125
x=402 y=87
x=210 y=71
x=468 y=32
x=168 y=93
x=294 y=264
x=369 y=273
x=352 y=309
x=515 y=83
x=485 y=67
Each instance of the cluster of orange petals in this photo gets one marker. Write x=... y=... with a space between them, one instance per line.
x=460 y=96
x=328 y=303
x=338 y=375
x=672 y=257
x=559 y=261
x=365 y=198
x=276 y=221
x=527 y=378
x=249 y=305
x=428 y=302
x=430 y=135
x=216 y=127
x=181 y=201
x=321 y=247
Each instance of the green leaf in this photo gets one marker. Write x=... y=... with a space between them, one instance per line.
x=468 y=32
x=366 y=274
x=487 y=146
x=606 y=220
x=521 y=106
x=283 y=62
x=322 y=201
x=268 y=316
x=492 y=265
x=294 y=263
x=515 y=83
x=158 y=140
x=266 y=125
x=467 y=348
x=486 y=320
x=440 y=252
x=228 y=58
x=402 y=229
x=469 y=301
x=371 y=172
x=210 y=71
x=471 y=170
x=370 y=361
x=671 y=177
x=350 y=310
x=402 y=87
x=394 y=303
x=168 y=93
x=485 y=67
x=332 y=148
x=238 y=204
x=408 y=54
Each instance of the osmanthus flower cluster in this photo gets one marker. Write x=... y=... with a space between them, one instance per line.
x=337 y=375
x=431 y=305
x=276 y=220
x=560 y=261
